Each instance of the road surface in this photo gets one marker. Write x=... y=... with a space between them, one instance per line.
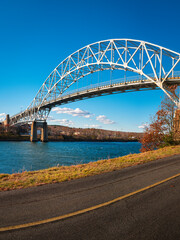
x=153 y=213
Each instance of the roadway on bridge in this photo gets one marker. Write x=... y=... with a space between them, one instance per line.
x=150 y=214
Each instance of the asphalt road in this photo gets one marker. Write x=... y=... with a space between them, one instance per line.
x=151 y=214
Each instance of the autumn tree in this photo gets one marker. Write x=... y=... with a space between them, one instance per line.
x=154 y=133
x=160 y=130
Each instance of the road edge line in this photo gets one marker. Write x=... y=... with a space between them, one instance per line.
x=79 y=212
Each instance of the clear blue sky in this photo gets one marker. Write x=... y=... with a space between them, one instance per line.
x=36 y=35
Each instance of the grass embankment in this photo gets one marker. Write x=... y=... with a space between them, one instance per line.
x=65 y=173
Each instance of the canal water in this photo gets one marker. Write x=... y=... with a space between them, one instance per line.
x=21 y=156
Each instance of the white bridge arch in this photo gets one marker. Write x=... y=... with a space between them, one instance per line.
x=156 y=66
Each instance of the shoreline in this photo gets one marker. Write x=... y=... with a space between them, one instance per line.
x=27 y=139
x=65 y=173
x=79 y=140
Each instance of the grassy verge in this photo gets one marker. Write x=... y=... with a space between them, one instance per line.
x=63 y=173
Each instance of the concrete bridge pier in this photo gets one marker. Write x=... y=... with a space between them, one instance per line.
x=44 y=132
x=33 y=137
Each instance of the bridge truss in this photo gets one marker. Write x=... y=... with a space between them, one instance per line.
x=155 y=66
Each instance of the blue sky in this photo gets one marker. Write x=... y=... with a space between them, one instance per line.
x=36 y=35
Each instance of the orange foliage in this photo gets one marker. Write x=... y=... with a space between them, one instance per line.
x=154 y=133
x=162 y=124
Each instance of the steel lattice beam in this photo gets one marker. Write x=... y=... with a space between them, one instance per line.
x=156 y=64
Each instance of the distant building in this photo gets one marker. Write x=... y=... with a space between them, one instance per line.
x=76 y=133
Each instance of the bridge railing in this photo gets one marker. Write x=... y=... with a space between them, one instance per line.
x=105 y=83
x=130 y=79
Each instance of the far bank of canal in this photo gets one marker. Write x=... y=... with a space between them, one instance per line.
x=27 y=156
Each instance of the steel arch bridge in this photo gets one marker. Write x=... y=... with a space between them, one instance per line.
x=155 y=67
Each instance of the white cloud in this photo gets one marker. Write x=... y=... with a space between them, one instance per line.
x=92 y=126
x=50 y=118
x=2 y=117
x=74 y=112
x=103 y=119
x=143 y=126
x=64 y=122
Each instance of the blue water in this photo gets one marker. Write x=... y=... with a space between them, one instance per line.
x=21 y=156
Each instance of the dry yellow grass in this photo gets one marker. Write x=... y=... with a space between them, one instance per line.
x=62 y=173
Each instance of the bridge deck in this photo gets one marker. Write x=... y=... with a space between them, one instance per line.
x=106 y=90
x=103 y=89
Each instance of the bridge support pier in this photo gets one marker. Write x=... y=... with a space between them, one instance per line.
x=44 y=132
x=177 y=125
x=33 y=137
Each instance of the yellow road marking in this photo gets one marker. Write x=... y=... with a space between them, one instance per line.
x=25 y=225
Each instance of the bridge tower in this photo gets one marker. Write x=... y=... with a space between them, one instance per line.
x=7 y=121
x=44 y=131
x=177 y=125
